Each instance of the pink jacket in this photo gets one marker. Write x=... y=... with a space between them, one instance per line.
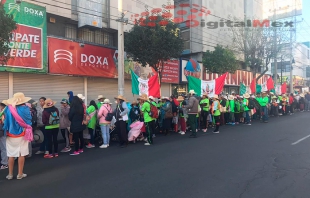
x=103 y=112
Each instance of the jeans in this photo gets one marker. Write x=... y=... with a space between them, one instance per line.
x=78 y=140
x=247 y=117
x=105 y=130
x=44 y=144
x=204 y=115
x=52 y=135
x=65 y=135
x=265 y=113
x=91 y=133
x=150 y=126
x=192 y=119
x=4 y=157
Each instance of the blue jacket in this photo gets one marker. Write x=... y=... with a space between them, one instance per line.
x=10 y=124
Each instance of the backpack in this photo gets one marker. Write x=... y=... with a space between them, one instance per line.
x=109 y=116
x=34 y=117
x=153 y=111
x=54 y=118
x=241 y=107
x=251 y=104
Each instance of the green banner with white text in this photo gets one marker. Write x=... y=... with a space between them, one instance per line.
x=28 y=45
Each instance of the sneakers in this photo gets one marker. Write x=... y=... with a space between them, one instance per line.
x=154 y=136
x=233 y=124
x=90 y=146
x=56 y=155
x=81 y=151
x=182 y=133
x=9 y=177
x=75 y=153
x=2 y=167
x=48 y=156
x=21 y=176
x=66 y=149
x=147 y=144
x=249 y=124
x=204 y=130
x=46 y=153
x=103 y=146
x=39 y=152
x=216 y=131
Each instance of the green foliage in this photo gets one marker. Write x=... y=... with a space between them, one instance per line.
x=7 y=25
x=150 y=42
x=220 y=61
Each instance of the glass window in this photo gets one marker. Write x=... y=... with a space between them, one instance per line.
x=71 y=31
x=99 y=37
x=178 y=90
x=86 y=35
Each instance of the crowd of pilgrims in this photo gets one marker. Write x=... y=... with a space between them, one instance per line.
x=25 y=121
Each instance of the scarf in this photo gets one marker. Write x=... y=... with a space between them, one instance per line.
x=28 y=129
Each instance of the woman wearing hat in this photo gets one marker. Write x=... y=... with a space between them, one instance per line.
x=166 y=115
x=104 y=124
x=17 y=126
x=121 y=116
x=65 y=124
x=148 y=120
x=50 y=119
x=231 y=99
x=216 y=112
x=92 y=111
x=76 y=117
x=134 y=113
x=182 y=115
x=246 y=108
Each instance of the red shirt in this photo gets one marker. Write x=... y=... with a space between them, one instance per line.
x=291 y=100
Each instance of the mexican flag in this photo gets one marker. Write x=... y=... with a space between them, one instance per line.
x=149 y=86
x=212 y=87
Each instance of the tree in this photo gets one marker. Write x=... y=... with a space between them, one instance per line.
x=220 y=60
x=7 y=25
x=154 y=40
x=258 y=45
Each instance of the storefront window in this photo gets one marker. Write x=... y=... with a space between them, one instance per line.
x=178 y=90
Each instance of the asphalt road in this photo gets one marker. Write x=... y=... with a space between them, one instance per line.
x=241 y=161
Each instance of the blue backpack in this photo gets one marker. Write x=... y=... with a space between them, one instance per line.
x=54 y=118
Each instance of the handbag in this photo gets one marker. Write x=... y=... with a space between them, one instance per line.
x=223 y=109
x=169 y=114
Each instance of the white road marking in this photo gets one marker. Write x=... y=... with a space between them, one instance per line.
x=302 y=139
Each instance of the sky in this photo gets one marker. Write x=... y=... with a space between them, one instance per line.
x=303 y=28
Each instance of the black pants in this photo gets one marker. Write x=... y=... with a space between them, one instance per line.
x=204 y=115
x=150 y=128
x=292 y=108
x=92 y=135
x=237 y=117
x=52 y=135
x=122 y=132
x=217 y=123
x=78 y=140
x=226 y=117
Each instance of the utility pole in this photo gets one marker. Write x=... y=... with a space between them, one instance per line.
x=275 y=61
x=120 y=33
x=291 y=60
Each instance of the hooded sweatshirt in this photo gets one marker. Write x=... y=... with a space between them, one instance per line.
x=70 y=96
x=46 y=117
